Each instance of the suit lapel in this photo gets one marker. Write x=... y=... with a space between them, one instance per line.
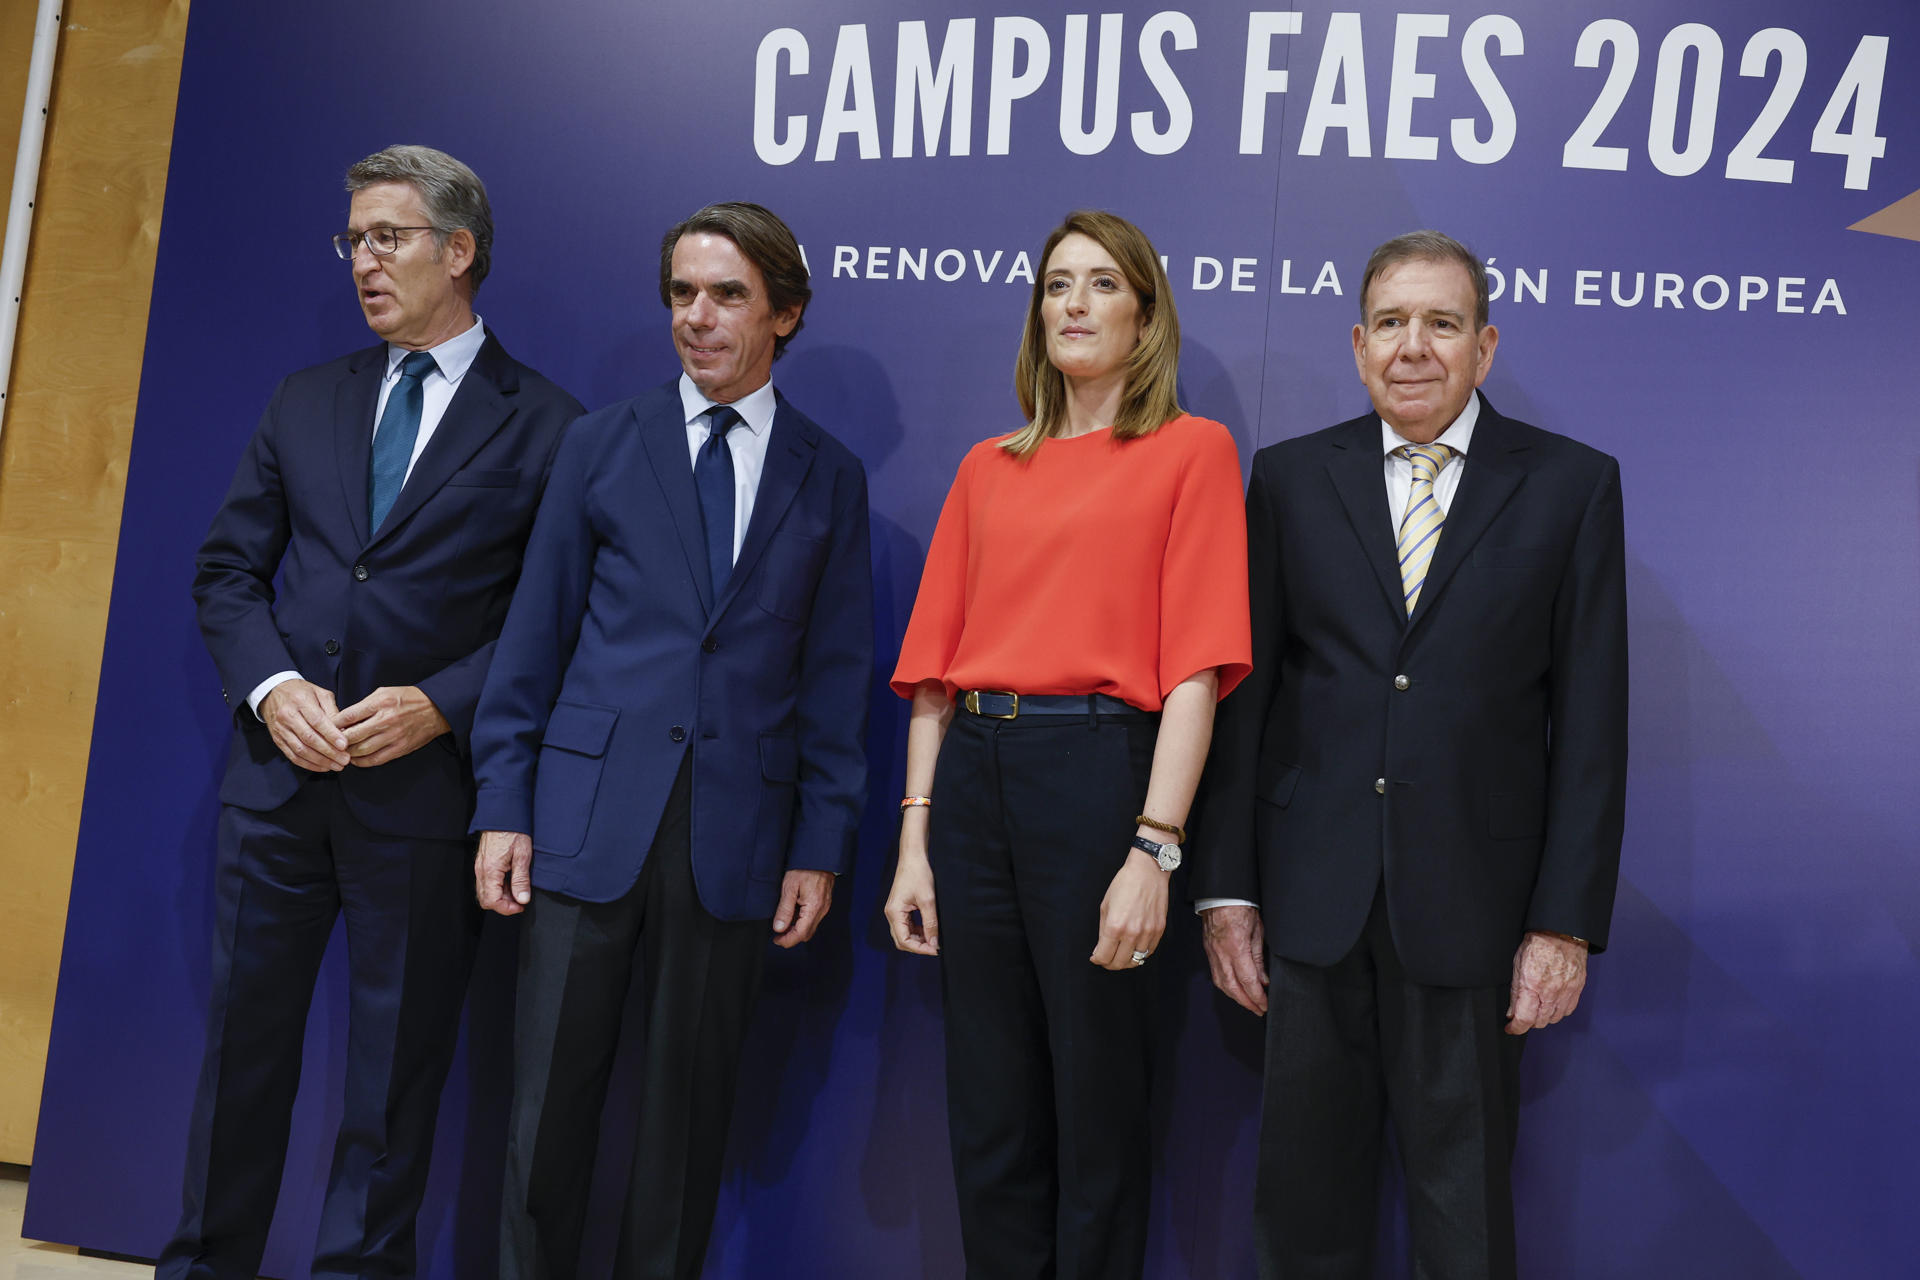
x=353 y=403
x=790 y=450
x=478 y=408
x=665 y=439
x=1356 y=472
x=1494 y=471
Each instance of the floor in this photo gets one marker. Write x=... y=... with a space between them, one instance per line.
x=32 y=1260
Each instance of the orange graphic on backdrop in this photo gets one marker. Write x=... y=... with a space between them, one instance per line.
x=1900 y=219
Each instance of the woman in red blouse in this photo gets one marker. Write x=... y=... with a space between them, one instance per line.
x=1082 y=609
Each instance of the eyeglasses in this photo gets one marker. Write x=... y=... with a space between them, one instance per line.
x=380 y=241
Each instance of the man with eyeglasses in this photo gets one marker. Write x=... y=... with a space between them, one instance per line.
x=351 y=589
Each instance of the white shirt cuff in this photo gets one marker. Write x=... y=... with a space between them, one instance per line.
x=267 y=686
x=1208 y=904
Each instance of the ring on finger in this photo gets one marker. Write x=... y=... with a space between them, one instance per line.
x=1140 y=957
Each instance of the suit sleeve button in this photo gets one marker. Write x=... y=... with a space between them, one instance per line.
x=332 y=647
x=1401 y=683
x=709 y=645
x=678 y=733
x=1380 y=786
x=360 y=573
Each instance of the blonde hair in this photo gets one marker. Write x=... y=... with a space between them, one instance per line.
x=1149 y=398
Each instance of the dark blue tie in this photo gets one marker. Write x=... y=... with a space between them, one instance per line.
x=713 y=477
x=393 y=442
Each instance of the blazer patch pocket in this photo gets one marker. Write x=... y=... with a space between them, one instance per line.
x=568 y=776
x=486 y=479
x=580 y=727
x=1516 y=815
x=788 y=575
x=1277 y=783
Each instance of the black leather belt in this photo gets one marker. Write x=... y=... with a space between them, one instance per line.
x=993 y=704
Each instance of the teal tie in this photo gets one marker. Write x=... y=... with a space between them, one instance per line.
x=1420 y=527
x=393 y=442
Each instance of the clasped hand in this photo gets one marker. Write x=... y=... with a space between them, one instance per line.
x=315 y=734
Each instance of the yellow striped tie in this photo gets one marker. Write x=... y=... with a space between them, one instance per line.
x=1420 y=527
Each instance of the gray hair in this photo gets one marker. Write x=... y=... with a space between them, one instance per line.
x=1428 y=246
x=452 y=195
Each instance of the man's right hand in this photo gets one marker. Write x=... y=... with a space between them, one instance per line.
x=503 y=872
x=1237 y=953
x=299 y=715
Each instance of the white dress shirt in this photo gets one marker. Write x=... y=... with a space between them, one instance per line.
x=451 y=359
x=1400 y=468
x=1399 y=473
x=747 y=442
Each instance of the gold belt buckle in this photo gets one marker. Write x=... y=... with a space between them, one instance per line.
x=972 y=703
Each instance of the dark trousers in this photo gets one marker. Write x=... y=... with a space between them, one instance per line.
x=576 y=962
x=411 y=928
x=1047 y=1054
x=1348 y=1046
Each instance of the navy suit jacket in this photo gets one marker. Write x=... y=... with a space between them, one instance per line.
x=291 y=579
x=1489 y=792
x=616 y=661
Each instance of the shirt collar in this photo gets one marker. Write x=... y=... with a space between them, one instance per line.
x=453 y=357
x=755 y=408
x=1456 y=437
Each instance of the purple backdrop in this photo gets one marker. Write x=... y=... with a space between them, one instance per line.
x=1734 y=1096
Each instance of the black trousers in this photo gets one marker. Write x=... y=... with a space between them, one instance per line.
x=1047 y=1054
x=411 y=927
x=1349 y=1046
x=576 y=963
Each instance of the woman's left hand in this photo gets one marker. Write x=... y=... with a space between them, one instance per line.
x=1133 y=915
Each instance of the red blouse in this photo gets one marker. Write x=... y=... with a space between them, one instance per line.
x=1092 y=566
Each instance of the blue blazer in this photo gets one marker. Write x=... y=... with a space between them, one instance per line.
x=419 y=602
x=616 y=661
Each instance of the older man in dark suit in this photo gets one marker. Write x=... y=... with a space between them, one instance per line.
x=350 y=591
x=1418 y=796
x=671 y=745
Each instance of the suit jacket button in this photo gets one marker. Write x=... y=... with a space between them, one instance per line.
x=1401 y=683
x=678 y=733
x=332 y=647
x=1380 y=786
x=360 y=573
x=709 y=645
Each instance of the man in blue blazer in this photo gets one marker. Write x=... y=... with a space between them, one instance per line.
x=350 y=590
x=669 y=748
x=1417 y=798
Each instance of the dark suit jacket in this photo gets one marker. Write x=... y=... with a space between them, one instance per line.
x=1490 y=791
x=290 y=578
x=616 y=662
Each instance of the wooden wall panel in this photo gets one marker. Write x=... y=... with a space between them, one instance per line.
x=63 y=465
x=16 y=43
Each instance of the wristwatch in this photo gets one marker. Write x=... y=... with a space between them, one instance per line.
x=1167 y=855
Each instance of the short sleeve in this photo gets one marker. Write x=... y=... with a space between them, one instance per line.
x=1203 y=578
x=940 y=606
